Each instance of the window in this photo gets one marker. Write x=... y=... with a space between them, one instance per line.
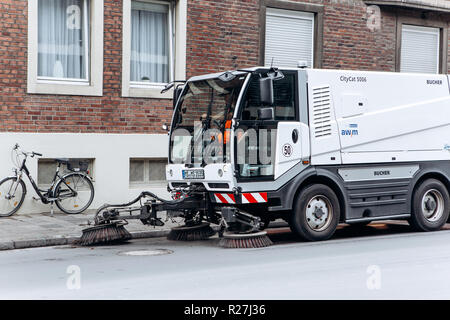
x=65 y=47
x=147 y=171
x=289 y=38
x=420 y=49
x=421 y=44
x=154 y=46
x=284 y=96
x=151 y=43
x=63 y=40
x=47 y=169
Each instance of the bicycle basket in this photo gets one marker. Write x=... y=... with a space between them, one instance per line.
x=77 y=165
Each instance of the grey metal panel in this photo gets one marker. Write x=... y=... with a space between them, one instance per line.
x=372 y=199
x=366 y=204
x=378 y=173
x=367 y=197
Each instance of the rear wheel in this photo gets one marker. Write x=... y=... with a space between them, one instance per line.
x=12 y=194
x=316 y=213
x=75 y=193
x=430 y=206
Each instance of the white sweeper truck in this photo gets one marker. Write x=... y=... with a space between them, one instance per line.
x=313 y=147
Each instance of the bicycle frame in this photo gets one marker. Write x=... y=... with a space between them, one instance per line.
x=48 y=196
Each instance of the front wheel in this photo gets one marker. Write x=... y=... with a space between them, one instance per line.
x=74 y=192
x=316 y=213
x=12 y=194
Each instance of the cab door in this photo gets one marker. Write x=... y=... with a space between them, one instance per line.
x=264 y=149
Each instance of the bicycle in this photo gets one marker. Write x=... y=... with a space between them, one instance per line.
x=73 y=192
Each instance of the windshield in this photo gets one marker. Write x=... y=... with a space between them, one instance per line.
x=205 y=110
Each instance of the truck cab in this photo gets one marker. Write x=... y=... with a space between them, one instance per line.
x=225 y=137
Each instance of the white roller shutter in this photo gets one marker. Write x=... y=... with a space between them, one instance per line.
x=420 y=49
x=289 y=38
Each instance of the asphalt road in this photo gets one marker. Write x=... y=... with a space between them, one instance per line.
x=388 y=262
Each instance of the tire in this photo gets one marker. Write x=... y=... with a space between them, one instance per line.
x=319 y=224
x=10 y=206
x=85 y=193
x=430 y=206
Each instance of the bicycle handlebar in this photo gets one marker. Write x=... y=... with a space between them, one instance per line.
x=31 y=154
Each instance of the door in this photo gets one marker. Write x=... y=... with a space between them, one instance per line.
x=265 y=149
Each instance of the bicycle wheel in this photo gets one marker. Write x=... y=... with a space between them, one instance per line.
x=75 y=193
x=12 y=194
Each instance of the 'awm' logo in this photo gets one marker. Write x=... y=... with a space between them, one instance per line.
x=353 y=131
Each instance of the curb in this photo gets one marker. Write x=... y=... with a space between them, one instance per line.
x=70 y=240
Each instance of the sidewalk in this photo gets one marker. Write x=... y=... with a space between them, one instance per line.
x=41 y=229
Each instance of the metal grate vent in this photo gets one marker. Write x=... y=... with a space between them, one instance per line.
x=321 y=111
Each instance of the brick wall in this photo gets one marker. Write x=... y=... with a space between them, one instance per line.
x=55 y=113
x=221 y=35
x=350 y=44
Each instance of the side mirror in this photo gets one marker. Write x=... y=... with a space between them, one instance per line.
x=176 y=94
x=266 y=91
x=266 y=114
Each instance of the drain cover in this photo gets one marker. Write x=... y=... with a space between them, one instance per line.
x=157 y=252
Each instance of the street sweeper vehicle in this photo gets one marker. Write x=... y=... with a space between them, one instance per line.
x=313 y=147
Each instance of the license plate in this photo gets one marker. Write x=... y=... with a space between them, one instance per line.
x=193 y=174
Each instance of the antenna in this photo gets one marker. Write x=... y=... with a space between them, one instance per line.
x=271 y=63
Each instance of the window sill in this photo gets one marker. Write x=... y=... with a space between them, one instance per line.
x=147 y=92
x=64 y=88
x=154 y=184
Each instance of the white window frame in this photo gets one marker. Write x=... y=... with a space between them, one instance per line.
x=93 y=85
x=424 y=30
x=295 y=14
x=171 y=23
x=177 y=51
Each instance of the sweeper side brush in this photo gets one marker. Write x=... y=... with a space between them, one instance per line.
x=198 y=232
x=109 y=233
x=245 y=240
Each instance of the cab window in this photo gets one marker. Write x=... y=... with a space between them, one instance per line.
x=284 y=94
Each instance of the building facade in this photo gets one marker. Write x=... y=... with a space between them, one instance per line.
x=83 y=78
